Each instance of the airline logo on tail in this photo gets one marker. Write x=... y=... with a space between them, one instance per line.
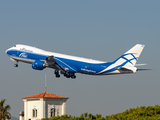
x=126 y=62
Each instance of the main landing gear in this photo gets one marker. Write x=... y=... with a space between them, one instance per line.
x=66 y=74
x=56 y=72
x=16 y=65
x=69 y=75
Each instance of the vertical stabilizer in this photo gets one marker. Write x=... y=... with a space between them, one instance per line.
x=130 y=58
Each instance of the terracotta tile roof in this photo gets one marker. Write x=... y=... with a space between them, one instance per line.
x=45 y=95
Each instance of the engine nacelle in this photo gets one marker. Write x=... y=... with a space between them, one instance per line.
x=38 y=65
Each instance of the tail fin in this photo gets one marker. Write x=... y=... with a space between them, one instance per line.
x=130 y=58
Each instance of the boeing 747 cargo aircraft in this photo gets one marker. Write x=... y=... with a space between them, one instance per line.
x=69 y=65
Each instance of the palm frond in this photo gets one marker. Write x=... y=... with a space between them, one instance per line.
x=4 y=110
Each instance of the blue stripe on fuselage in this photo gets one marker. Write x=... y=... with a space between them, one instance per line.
x=73 y=65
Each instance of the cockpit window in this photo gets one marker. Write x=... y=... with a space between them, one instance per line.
x=14 y=46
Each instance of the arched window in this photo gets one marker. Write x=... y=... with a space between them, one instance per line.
x=34 y=112
x=53 y=112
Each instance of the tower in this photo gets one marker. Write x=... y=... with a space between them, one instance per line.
x=44 y=105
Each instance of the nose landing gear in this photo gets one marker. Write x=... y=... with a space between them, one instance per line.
x=16 y=65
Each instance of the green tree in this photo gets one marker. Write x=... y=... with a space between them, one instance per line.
x=4 y=110
x=86 y=115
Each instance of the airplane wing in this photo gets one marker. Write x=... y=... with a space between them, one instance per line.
x=60 y=64
x=66 y=65
x=51 y=63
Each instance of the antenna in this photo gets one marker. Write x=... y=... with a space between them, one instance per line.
x=45 y=82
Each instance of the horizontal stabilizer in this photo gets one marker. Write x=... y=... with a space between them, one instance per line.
x=140 y=64
x=124 y=68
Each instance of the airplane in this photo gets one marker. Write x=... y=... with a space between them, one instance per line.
x=68 y=65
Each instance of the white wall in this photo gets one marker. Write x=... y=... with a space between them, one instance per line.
x=43 y=106
x=54 y=103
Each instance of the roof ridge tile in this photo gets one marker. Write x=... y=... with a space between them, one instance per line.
x=45 y=95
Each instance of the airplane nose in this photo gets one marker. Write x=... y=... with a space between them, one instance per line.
x=6 y=51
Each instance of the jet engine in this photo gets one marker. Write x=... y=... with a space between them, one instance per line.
x=38 y=65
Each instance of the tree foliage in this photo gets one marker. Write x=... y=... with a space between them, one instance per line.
x=84 y=116
x=4 y=110
x=139 y=113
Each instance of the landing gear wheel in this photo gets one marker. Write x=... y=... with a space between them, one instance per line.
x=57 y=76
x=56 y=72
x=67 y=76
x=73 y=77
x=15 y=65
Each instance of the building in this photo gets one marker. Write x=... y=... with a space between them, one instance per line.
x=43 y=105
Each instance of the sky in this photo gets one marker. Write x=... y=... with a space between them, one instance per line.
x=101 y=30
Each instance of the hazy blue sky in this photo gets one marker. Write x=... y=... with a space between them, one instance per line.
x=101 y=30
